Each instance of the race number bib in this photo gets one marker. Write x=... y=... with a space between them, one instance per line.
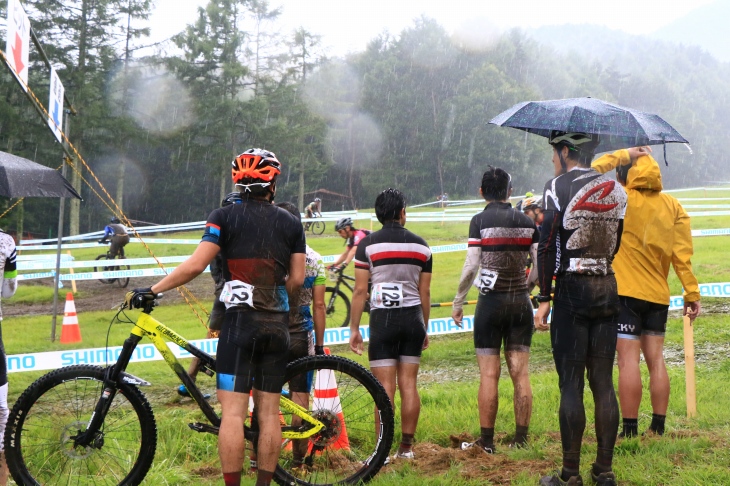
x=485 y=280
x=387 y=296
x=236 y=292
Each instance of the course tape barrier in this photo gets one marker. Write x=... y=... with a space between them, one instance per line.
x=143 y=272
x=711 y=232
x=52 y=360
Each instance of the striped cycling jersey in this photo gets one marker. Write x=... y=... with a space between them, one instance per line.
x=504 y=236
x=394 y=255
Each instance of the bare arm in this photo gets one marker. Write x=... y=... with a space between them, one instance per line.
x=318 y=313
x=189 y=269
x=424 y=291
x=468 y=272
x=295 y=280
x=359 y=295
x=532 y=278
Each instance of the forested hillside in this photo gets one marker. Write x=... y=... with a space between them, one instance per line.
x=411 y=111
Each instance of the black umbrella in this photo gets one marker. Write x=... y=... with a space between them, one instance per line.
x=20 y=177
x=620 y=127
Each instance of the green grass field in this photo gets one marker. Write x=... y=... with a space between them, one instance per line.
x=692 y=452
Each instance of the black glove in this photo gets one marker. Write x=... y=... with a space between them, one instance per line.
x=139 y=298
x=102 y=241
x=319 y=350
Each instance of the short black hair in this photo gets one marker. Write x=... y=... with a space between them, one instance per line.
x=496 y=184
x=582 y=157
x=291 y=207
x=389 y=204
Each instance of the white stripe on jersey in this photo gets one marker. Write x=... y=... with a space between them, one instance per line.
x=506 y=233
x=385 y=247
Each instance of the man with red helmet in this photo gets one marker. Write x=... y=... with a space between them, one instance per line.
x=263 y=251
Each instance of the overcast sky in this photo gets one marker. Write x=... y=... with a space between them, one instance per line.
x=347 y=25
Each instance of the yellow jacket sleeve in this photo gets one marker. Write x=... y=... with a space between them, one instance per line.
x=609 y=162
x=682 y=253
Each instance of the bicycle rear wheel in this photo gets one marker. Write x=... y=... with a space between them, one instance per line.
x=122 y=281
x=359 y=425
x=39 y=441
x=337 y=308
x=104 y=267
x=318 y=227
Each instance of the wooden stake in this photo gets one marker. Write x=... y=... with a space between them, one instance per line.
x=689 y=367
x=71 y=271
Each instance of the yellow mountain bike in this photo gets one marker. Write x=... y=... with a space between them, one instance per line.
x=88 y=424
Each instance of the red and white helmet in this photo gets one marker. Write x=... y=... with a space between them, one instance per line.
x=255 y=167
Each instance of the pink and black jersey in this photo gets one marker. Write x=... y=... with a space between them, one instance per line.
x=257 y=240
x=394 y=255
x=357 y=236
x=504 y=236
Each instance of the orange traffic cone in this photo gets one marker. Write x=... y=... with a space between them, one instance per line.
x=326 y=397
x=70 y=332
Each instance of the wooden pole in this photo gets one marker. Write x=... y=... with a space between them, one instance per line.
x=689 y=367
x=71 y=271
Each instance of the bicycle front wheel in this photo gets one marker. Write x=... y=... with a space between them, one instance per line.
x=318 y=227
x=39 y=441
x=358 y=432
x=104 y=267
x=337 y=308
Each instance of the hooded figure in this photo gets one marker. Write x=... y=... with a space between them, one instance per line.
x=656 y=233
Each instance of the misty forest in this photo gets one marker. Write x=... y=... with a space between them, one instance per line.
x=159 y=124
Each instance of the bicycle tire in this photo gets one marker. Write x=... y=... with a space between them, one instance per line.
x=318 y=227
x=36 y=424
x=350 y=415
x=122 y=281
x=105 y=268
x=337 y=307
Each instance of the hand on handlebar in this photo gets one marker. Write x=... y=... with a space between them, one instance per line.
x=140 y=298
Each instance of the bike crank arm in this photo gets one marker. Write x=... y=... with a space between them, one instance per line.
x=201 y=427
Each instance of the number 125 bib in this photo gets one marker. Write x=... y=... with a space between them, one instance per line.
x=387 y=296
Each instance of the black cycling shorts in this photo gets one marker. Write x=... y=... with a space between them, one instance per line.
x=396 y=335
x=253 y=351
x=503 y=317
x=301 y=344
x=585 y=314
x=640 y=317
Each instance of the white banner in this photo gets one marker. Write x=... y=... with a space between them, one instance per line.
x=55 y=106
x=17 y=41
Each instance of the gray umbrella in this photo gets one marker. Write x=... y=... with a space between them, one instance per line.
x=620 y=127
x=20 y=177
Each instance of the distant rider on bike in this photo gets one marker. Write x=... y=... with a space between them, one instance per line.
x=313 y=210
x=119 y=237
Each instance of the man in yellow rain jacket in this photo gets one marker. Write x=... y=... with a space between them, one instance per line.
x=656 y=233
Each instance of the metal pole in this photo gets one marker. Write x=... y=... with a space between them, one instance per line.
x=61 y=208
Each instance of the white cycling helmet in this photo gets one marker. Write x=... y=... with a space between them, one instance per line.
x=343 y=223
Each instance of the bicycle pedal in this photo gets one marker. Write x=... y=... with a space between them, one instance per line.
x=201 y=427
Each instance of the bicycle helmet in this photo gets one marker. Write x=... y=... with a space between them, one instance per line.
x=255 y=167
x=114 y=220
x=316 y=199
x=584 y=142
x=343 y=223
x=231 y=198
x=532 y=203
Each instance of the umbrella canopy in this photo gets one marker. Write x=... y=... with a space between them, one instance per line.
x=620 y=127
x=20 y=177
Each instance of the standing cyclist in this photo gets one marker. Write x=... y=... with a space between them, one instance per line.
x=500 y=238
x=399 y=263
x=119 y=237
x=260 y=245
x=656 y=233
x=584 y=213
x=347 y=230
x=8 y=286
x=215 y=319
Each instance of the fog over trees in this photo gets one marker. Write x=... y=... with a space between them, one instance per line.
x=410 y=111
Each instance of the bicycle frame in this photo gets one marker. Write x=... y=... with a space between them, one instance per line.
x=147 y=326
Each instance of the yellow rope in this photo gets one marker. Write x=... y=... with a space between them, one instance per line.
x=11 y=207
x=119 y=213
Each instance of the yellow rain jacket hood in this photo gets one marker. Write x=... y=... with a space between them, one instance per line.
x=656 y=234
